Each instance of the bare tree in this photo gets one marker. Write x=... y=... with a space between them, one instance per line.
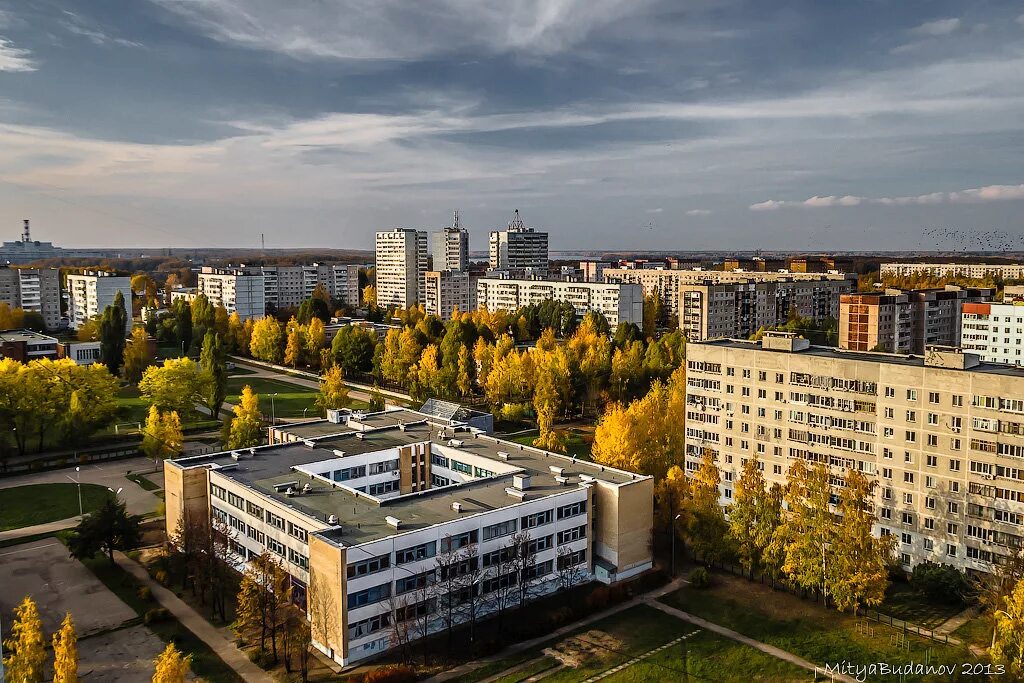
x=502 y=591
x=398 y=624
x=452 y=566
x=471 y=589
x=524 y=565
x=219 y=566
x=570 y=572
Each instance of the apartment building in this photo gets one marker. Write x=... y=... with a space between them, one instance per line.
x=32 y=289
x=593 y=271
x=401 y=264
x=238 y=290
x=519 y=249
x=450 y=247
x=875 y=322
x=976 y=271
x=617 y=302
x=905 y=321
x=1012 y=293
x=942 y=434
x=346 y=284
x=448 y=290
x=89 y=293
x=994 y=331
x=739 y=309
x=371 y=513
x=755 y=264
x=666 y=283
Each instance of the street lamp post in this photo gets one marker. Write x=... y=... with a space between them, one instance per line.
x=273 y=411
x=674 y=545
x=78 y=481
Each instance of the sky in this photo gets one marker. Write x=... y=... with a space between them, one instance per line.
x=610 y=124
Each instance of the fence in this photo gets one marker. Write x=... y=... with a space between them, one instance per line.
x=874 y=615
x=50 y=461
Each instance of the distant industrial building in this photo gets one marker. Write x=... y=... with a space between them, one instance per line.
x=236 y=289
x=401 y=267
x=90 y=293
x=617 y=302
x=32 y=289
x=994 y=331
x=976 y=271
x=519 y=250
x=27 y=250
x=899 y=321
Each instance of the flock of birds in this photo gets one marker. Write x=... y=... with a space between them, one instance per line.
x=959 y=239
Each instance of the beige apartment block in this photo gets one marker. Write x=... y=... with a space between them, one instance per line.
x=942 y=434
x=362 y=511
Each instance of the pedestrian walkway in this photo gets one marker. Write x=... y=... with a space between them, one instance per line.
x=956 y=621
x=38 y=529
x=214 y=637
x=636 y=660
x=739 y=637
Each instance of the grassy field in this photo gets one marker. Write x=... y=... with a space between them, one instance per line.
x=23 y=506
x=804 y=628
x=903 y=602
x=290 y=401
x=576 y=443
x=977 y=631
x=634 y=632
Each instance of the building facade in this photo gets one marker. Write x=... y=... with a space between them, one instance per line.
x=238 y=290
x=89 y=293
x=401 y=264
x=381 y=519
x=942 y=434
x=448 y=290
x=977 y=271
x=666 y=283
x=518 y=249
x=450 y=247
x=617 y=302
x=994 y=331
x=33 y=289
x=593 y=271
x=739 y=309
x=875 y=322
x=26 y=345
x=1012 y=293
x=27 y=250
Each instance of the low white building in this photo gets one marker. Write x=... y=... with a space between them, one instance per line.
x=617 y=302
x=994 y=331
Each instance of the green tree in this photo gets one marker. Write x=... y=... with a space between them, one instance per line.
x=807 y=530
x=183 y=324
x=108 y=529
x=137 y=355
x=333 y=392
x=163 y=435
x=754 y=515
x=213 y=364
x=177 y=385
x=25 y=650
x=708 y=529
x=267 y=340
x=65 y=652
x=112 y=328
x=247 y=423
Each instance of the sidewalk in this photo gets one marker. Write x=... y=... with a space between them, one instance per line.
x=224 y=647
x=739 y=637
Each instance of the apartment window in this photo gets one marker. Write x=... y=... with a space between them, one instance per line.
x=572 y=559
x=958 y=401
x=236 y=500
x=349 y=473
x=453 y=543
x=954 y=508
x=887 y=453
x=382 y=488
x=416 y=552
x=908 y=477
x=954 y=465
x=929 y=482
x=365 y=627
x=298 y=559
x=541 y=544
x=911 y=436
x=887 y=432
x=907 y=518
x=298 y=532
x=908 y=498
x=275 y=521
x=218 y=492
x=905 y=540
x=911 y=394
x=540 y=569
x=573 y=510
x=954 y=444
x=369 y=566
x=887 y=473
x=890 y=392
x=276 y=547
x=933 y=440
x=776 y=469
x=382 y=467
x=929 y=544
x=369 y=596
x=929 y=524
x=887 y=493
x=574 y=534
x=908 y=457
x=950 y=550
x=931 y=460
x=500 y=529
x=911 y=416
x=890 y=413
x=954 y=487
x=254 y=510
x=933 y=397
x=407 y=584
x=886 y=513
x=779 y=378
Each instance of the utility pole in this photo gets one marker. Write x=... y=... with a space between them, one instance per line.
x=686 y=667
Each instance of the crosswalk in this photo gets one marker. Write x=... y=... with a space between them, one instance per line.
x=635 y=660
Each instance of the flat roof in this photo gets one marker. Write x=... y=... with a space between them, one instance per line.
x=23 y=335
x=362 y=517
x=911 y=360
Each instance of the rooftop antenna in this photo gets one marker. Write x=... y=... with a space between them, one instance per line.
x=516 y=222
x=457 y=224
x=263 y=242
x=26 y=235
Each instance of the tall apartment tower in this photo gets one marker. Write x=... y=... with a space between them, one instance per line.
x=401 y=264
x=33 y=289
x=92 y=291
x=519 y=249
x=450 y=247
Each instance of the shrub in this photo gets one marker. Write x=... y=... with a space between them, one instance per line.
x=700 y=578
x=144 y=593
x=392 y=673
x=264 y=659
x=156 y=614
x=161 y=577
x=940 y=582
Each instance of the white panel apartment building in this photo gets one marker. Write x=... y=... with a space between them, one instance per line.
x=236 y=289
x=32 y=289
x=518 y=249
x=401 y=264
x=994 y=331
x=814 y=287
x=91 y=292
x=450 y=248
x=618 y=303
x=367 y=517
x=943 y=435
x=976 y=271
x=447 y=290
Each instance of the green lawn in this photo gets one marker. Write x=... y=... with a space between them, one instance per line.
x=619 y=638
x=803 y=628
x=977 y=631
x=575 y=444
x=290 y=401
x=903 y=602
x=23 y=506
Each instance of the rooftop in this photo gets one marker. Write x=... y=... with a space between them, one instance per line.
x=362 y=517
x=23 y=335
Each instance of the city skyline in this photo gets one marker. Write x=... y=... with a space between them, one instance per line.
x=616 y=125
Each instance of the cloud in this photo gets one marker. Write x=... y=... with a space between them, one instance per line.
x=658 y=210
x=989 y=193
x=698 y=212
x=1020 y=20
x=396 y=29
x=938 y=27
x=14 y=58
x=80 y=26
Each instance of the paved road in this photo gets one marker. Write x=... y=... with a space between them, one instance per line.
x=218 y=640
x=110 y=474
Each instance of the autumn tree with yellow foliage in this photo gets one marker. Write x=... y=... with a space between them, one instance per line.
x=247 y=422
x=171 y=666
x=26 y=653
x=65 y=652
